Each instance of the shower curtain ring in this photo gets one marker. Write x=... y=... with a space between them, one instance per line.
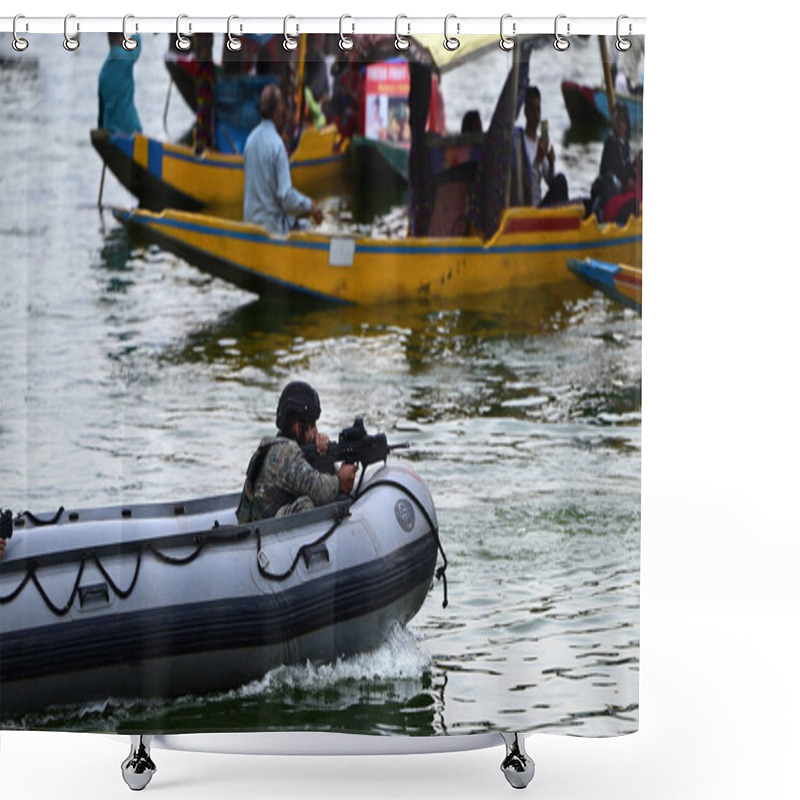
x=400 y=42
x=19 y=44
x=289 y=42
x=561 y=44
x=623 y=44
x=233 y=44
x=451 y=42
x=507 y=42
x=181 y=42
x=70 y=43
x=128 y=42
x=345 y=42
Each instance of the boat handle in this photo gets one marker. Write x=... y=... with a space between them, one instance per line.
x=96 y=593
x=316 y=555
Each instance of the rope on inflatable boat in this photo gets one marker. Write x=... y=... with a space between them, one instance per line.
x=122 y=594
x=440 y=573
x=40 y=522
x=60 y=612
x=125 y=593
x=178 y=562
x=300 y=552
x=9 y=597
x=117 y=591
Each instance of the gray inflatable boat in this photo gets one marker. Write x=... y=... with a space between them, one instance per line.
x=169 y=599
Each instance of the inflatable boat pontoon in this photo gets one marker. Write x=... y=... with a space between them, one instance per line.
x=169 y=599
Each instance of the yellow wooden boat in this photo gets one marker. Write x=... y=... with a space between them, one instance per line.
x=529 y=250
x=471 y=230
x=164 y=175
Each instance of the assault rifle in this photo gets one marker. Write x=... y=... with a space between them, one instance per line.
x=355 y=446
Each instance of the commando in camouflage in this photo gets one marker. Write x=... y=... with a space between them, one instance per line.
x=280 y=481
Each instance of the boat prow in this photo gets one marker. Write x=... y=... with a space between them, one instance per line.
x=620 y=282
x=166 y=175
x=589 y=110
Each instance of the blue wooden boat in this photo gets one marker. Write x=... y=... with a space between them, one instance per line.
x=620 y=282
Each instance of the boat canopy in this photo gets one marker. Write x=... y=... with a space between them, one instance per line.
x=425 y=48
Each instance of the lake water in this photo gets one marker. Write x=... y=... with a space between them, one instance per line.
x=130 y=376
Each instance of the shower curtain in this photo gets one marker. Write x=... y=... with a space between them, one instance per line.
x=472 y=289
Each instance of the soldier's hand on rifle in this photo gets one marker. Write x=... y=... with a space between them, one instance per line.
x=347 y=477
x=322 y=441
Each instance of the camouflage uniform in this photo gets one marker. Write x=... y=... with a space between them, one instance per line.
x=284 y=484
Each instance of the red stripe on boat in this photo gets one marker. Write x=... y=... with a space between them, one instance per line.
x=630 y=280
x=531 y=224
x=585 y=91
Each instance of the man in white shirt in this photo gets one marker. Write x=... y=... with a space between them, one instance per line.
x=269 y=198
x=541 y=156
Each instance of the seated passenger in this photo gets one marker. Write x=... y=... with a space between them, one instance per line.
x=618 y=173
x=269 y=197
x=541 y=155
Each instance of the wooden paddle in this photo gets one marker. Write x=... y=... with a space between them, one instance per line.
x=607 y=75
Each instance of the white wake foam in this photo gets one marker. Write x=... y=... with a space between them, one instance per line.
x=399 y=658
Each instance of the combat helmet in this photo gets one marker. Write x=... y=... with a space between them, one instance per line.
x=300 y=401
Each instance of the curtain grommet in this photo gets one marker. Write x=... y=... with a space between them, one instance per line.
x=451 y=43
x=18 y=43
x=70 y=42
x=181 y=41
x=345 y=42
x=561 y=43
x=290 y=44
x=507 y=43
x=622 y=44
x=233 y=44
x=401 y=42
x=128 y=42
